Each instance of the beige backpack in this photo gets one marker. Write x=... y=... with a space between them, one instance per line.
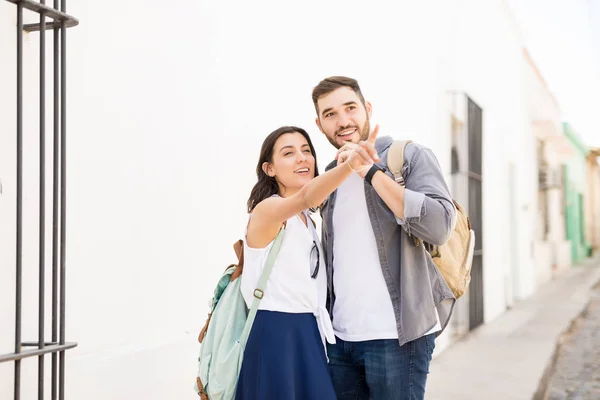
x=453 y=259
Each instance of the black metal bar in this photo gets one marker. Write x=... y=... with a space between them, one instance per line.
x=36 y=352
x=19 y=272
x=63 y=192
x=42 y=216
x=49 y=25
x=36 y=344
x=50 y=12
x=55 y=210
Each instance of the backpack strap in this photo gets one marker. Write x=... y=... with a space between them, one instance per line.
x=395 y=159
x=259 y=292
x=203 y=395
x=238 y=247
x=235 y=274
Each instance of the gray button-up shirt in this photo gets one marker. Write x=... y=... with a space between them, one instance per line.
x=415 y=285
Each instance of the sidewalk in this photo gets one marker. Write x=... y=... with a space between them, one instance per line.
x=509 y=357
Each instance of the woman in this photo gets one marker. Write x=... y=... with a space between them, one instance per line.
x=285 y=354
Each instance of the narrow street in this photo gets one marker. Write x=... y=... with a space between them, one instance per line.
x=577 y=370
x=514 y=353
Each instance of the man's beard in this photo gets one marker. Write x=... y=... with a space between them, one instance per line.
x=363 y=133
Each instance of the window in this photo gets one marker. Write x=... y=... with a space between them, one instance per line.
x=58 y=22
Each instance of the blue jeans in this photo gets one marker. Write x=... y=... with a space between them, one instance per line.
x=380 y=369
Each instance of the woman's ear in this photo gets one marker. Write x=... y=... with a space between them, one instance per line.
x=267 y=169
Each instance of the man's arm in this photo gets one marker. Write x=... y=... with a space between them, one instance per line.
x=392 y=194
x=424 y=208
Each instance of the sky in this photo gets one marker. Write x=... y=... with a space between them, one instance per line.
x=563 y=38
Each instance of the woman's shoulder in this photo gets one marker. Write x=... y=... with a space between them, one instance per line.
x=258 y=249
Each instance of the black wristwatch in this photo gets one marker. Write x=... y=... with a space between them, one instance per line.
x=369 y=176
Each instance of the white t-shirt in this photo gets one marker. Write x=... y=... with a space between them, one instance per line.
x=363 y=308
x=290 y=287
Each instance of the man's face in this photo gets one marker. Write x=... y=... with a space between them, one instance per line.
x=342 y=117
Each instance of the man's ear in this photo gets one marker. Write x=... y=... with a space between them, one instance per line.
x=267 y=169
x=318 y=122
x=369 y=108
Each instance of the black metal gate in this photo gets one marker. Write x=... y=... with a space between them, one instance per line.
x=474 y=132
x=57 y=20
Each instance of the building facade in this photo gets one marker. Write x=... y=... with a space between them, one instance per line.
x=575 y=182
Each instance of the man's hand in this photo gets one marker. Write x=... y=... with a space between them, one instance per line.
x=344 y=152
x=361 y=155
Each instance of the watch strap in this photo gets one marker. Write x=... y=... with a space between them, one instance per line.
x=369 y=176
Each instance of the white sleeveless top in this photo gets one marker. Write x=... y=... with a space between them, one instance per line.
x=290 y=288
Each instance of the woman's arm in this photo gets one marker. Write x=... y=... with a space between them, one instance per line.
x=271 y=213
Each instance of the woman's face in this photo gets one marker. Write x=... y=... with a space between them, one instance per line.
x=293 y=164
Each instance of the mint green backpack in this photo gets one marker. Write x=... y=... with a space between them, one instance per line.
x=224 y=336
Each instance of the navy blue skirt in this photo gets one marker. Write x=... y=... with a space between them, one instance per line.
x=284 y=360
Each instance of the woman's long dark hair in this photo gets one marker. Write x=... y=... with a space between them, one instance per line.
x=267 y=185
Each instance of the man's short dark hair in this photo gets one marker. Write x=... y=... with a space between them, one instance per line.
x=332 y=83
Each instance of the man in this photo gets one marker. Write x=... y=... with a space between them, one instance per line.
x=387 y=299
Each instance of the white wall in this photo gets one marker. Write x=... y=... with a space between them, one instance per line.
x=168 y=106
